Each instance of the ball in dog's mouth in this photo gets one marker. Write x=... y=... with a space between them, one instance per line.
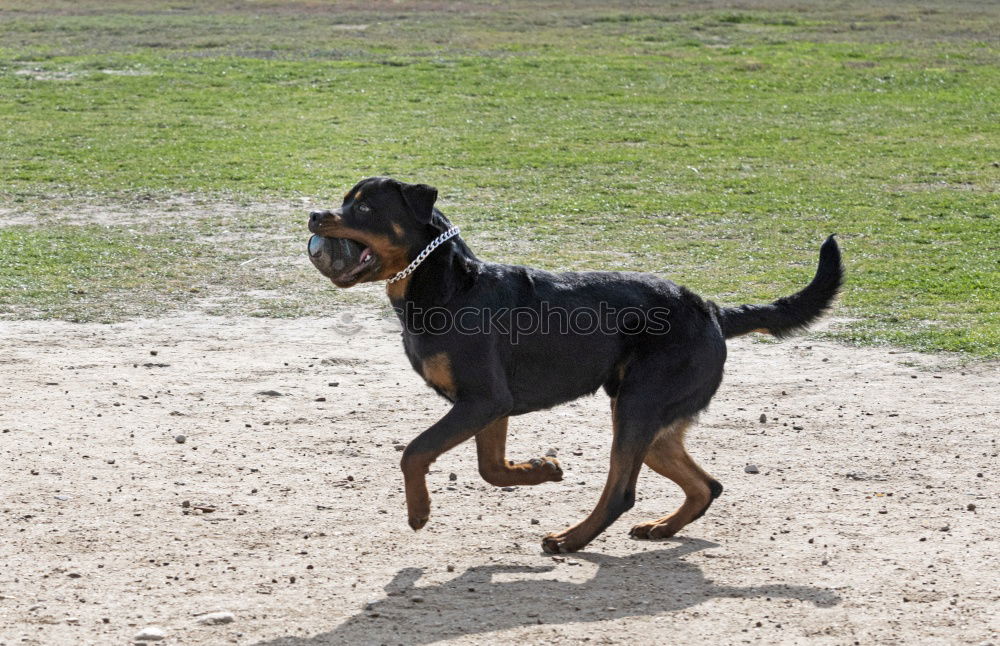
x=341 y=260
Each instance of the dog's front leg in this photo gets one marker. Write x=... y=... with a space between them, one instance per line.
x=465 y=419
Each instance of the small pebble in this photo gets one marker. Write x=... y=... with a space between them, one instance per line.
x=972 y=506
x=763 y=418
x=551 y=453
x=453 y=477
x=417 y=599
x=180 y=439
x=399 y=447
x=216 y=618
x=751 y=468
x=450 y=568
x=150 y=634
x=534 y=521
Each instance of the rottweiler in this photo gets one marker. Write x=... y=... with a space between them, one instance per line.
x=499 y=340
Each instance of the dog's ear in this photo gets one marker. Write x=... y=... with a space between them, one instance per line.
x=419 y=198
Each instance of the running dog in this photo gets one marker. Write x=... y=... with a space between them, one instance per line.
x=500 y=340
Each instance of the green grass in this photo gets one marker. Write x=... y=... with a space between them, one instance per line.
x=717 y=147
x=91 y=272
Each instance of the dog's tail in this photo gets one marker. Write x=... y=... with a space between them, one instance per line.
x=793 y=313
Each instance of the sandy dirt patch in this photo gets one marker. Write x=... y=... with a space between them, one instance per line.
x=873 y=518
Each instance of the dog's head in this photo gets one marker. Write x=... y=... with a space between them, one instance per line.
x=381 y=226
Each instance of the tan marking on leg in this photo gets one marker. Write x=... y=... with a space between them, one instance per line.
x=761 y=330
x=418 y=500
x=436 y=370
x=668 y=457
x=491 y=445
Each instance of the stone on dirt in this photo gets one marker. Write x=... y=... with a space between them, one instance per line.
x=216 y=618
x=150 y=634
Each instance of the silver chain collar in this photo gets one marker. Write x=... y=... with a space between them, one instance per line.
x=434 y=244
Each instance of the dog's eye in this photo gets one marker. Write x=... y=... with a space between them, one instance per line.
x=364 y=208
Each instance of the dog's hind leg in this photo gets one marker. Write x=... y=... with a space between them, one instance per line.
x=668 y=457
x=491 y=445
x=657 y=391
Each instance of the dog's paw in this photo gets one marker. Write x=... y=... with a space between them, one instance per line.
x=417 y=522
x=553 y=544
x=549 y=467
x=561 y=543
x=655 y=529
x=533 y=472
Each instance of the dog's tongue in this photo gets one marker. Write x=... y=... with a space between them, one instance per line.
x=335 y=257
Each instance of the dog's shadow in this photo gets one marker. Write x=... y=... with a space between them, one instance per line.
x=487 y=598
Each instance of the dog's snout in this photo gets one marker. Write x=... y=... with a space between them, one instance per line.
x=316 y=218
x=326 y=218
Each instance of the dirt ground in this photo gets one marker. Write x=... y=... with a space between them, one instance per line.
x=872 y=519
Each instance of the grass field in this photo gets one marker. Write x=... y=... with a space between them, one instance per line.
x=713 y=145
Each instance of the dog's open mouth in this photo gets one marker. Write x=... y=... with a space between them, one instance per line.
x=343 y=261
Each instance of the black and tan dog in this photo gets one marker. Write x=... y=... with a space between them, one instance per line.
x=501 y=340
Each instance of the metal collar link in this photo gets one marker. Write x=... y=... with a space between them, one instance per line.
x=434 y=244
